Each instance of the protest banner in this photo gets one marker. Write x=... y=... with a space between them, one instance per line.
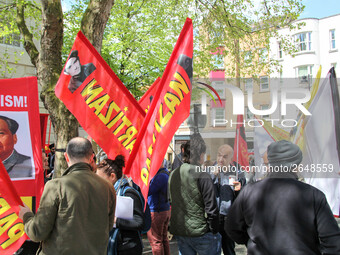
x=20 y=152
x=99 y=100
x=169 y=108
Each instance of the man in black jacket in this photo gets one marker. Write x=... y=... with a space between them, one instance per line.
x=281 y=215
x=226 y=191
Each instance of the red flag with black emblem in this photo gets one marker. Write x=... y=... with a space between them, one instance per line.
x=169 y=108
x=240 y=144
x=99 y=100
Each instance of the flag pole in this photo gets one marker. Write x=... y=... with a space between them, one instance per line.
x=237 y=139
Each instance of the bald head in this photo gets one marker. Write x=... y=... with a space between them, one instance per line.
x=79 y=150
x=224 y=155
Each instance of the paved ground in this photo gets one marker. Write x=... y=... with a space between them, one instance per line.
x=30 y=247
x=240 y=249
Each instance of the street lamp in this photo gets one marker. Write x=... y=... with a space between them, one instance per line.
x=196 y=120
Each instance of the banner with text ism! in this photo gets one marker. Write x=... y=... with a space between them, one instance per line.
x=20 y=152
x=169 y=108
x=99 y=100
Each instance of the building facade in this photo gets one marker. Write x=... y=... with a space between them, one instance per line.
x=316 y=45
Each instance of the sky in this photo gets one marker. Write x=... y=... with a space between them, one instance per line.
x=314 y=8
x=320 y=8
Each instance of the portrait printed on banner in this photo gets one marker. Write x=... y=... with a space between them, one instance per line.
x=15 y=145
x=78 y=72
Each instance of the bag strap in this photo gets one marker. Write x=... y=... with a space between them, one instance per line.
x=122 y=186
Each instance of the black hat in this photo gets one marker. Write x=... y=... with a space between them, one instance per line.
x=284 y=154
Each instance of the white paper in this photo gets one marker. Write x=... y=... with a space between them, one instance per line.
x=124 y=208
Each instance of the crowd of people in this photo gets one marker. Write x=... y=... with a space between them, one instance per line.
x=206 y=212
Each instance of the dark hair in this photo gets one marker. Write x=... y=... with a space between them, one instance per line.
x=12 y=124
x=109 y=166
x=74 y=54
x=51 y=146
x=193 y=149
x=79 y=148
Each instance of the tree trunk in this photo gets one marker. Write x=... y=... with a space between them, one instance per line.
x=94 y=21
x=49 y=63
x=49 y=67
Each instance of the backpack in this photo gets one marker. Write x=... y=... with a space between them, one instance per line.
x=147 y=214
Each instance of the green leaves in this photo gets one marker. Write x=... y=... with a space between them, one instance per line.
x=243 y=28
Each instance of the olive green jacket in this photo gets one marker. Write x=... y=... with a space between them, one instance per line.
x=75 y=215
x=188 y=216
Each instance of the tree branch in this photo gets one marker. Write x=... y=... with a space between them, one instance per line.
x=29 y=45
x=7 y=7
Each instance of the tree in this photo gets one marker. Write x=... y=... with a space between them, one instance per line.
x=240 y=30
x=138 y=42
x=47 y=56
x=138 y=39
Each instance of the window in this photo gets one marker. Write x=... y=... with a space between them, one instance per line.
x=304 y=72
x=218 y=117
x=303 y=41
x=280 y=53
x=265 y=107
x=247 y=57
x=218 y=61
x=332 y=38
x=249 y=114
x=248 y=84
x=220 y=89
x=264 y=83
x=215 y=36
x=10 y=38
x=263 y=55
x=219 y=113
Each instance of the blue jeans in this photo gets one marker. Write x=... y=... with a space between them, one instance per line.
x=207 y=244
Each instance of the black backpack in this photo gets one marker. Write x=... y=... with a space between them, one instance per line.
x=147 y=213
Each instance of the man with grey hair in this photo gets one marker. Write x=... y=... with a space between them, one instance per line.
x=76 y=210
x=226 y=188
x=281 y=215
x=16 y=164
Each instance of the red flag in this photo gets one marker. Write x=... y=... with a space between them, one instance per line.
x=147 y=98
x=240 y=144
x=99 y=100
x=169 y=108
x=12 y=234
x=19 y=104
x=43 y=127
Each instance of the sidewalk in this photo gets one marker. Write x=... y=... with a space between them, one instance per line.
x=239 y=249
